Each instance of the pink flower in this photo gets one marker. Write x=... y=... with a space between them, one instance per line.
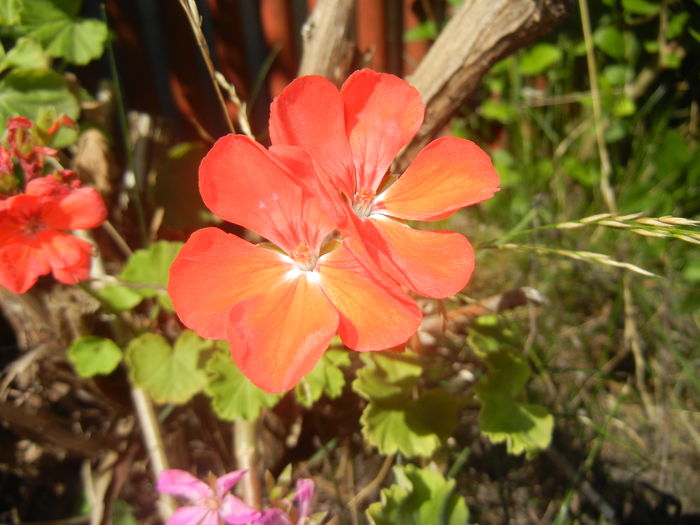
x=210 y=504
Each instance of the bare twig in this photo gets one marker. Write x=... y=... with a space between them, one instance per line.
x=244 y=439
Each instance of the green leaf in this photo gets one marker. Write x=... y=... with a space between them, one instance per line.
x=641 y=7
x=92 y=355
x=26 y=53
x=424 y=31
x=419 y=497
x=10 y=11
x=119 y=297
x=168 y=374
x=523 y=427
x=24 y=92
x=538 y=58
x=233 y=395
x=498 y=110
x=610 y=41
x=54 y=23
x=412 y=427
x=386 y=375
x=677 y=24
x=326 y=378
x=151 y=267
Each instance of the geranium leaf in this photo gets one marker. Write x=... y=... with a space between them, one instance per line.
x=419 y=497
x=54 y=23
x=119 y=297
x=92 y=355
x=233 y=395
x=151 y=267
x=326 y=378
x=523 y=427
x=168 y=374
x=23 y=92
x=26 y=53
x=9 y=12
x=386 y=376
x=412 y=427
x=538 y=58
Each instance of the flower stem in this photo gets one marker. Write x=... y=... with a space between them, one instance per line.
x=154 y=445
x=244 y=439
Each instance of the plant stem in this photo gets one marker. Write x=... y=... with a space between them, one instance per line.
x=244 y=439
x=154 y=445
x=605 y=167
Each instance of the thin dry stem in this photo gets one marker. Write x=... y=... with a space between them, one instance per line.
x=195 y=21
x=605 y=167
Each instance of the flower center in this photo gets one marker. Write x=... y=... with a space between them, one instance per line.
x=363 y=201
x=303 y=257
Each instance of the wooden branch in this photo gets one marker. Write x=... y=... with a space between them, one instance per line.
x=328 y=47
x=479 y=34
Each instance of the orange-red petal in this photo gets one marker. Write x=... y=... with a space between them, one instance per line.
x=309 y=114
x=68 y=256
x=277 y=336
x=446 y=175
x=375 y=314
x=214 y=271
x=382 y=114
x=241 y=183
x=21 y=264
x=431 y=263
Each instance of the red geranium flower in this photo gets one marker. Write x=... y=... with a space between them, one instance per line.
x=32 y=237
x=24 y=147
x=353 y=136
x=279 y=306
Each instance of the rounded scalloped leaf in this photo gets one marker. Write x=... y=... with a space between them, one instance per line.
x=25 y=92
x=414 y=428
x=233 y=395
x=326 y=378
x=92 y=355
x=419 y=496
x=55 y=24
x=151 y=266
x=168 y=374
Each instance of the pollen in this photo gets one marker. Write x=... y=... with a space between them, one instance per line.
x=363 y=202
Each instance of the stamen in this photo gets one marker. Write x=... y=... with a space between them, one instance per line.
x=303 y=257
x=363 y=202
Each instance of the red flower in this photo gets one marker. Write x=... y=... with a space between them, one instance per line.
x=353 y=136
x=32 y=240
x=24 y=148
x=279 y=307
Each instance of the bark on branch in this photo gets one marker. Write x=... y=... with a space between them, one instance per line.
x=479 y=34
x=328 y=48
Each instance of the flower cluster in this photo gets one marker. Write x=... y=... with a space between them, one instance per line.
x=212 y=504
x=342 y=258
x=36 y=210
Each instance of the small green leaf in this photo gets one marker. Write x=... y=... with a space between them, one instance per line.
x=26 y=53
x=414 y=428
x=641 y=7
x=92 y=355
x=10 y=11
x=523 y=427
x=424 y=31
x=168 y=374
x=233 y=395
x=326 y=378
x=151 y=267
x=386 y=376
x=23 y=92
x=119 y=297
x=538 y=58
x=54 y=23
x=498 y=110
x=677 y=24
x=610 y=41
x=419 y=497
